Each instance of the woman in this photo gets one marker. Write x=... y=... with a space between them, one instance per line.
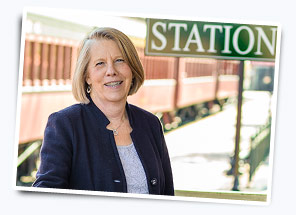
x=104 y=143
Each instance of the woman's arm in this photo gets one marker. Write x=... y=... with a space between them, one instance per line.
x=166 y=164
x=56 y=153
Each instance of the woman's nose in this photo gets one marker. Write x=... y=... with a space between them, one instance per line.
x=111 y=71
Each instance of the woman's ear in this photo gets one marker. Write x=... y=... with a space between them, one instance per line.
x=87 y=79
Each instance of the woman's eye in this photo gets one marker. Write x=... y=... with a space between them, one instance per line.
x=119 y=60
x=99 y=63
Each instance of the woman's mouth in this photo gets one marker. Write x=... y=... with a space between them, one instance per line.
x=113 y=83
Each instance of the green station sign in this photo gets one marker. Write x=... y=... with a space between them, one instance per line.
x=211 y=39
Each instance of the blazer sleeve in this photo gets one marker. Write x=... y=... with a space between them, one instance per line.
x=166 y=163
x=56 y=153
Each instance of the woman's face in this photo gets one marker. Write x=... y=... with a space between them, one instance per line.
x=109 y=75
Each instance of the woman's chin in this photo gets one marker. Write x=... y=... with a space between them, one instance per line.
x=117 y=98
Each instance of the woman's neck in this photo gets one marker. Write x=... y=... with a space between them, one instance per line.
x=114 y=111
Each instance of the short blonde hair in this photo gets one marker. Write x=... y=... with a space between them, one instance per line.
x=128 y=52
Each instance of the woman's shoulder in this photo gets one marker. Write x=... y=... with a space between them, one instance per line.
x=70 y=112
x=137 y=110
x=142 y=114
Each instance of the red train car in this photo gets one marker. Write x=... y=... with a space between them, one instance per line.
x=48 y=67
x=176 y=89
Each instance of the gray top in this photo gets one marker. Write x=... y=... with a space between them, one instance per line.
x=134 y=172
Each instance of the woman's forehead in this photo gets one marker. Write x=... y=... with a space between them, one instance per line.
x=104 y=47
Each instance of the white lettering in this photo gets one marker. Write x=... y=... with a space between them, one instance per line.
x=213 y=29
x=251 y=40
x=227 y=39
x=177 y=34
x=269 y=45
x=159 y=36
x=194 y=33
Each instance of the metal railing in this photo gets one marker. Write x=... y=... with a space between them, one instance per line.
x=29 y=150
x=260 y=145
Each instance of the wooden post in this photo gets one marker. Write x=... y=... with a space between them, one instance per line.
x=177 y=79
x=238 y=126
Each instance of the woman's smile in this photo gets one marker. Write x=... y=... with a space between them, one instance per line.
x=113 y=84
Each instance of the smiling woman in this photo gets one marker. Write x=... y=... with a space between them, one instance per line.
x=109 y=76
x=103 y=143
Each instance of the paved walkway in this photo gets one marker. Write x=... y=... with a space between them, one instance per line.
x=201 y=151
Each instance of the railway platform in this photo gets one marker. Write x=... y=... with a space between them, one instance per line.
x=200 y=151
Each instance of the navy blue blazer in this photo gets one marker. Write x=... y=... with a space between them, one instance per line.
x=79 y=152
